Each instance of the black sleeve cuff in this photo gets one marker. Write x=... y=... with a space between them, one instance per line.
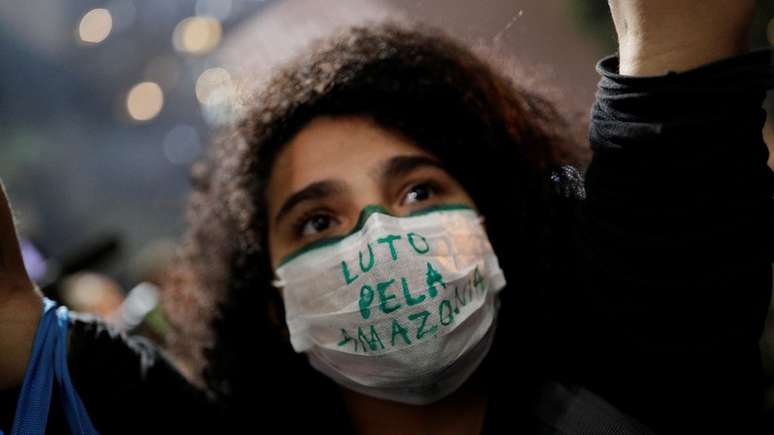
x=720 y=99
x=757 y=62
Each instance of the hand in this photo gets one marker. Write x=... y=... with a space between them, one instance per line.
x=655 y=36
x=20 y=303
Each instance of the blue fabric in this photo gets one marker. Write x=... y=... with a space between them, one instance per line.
x=48 y=363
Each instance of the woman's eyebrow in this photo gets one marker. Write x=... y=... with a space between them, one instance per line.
x=315 y=191
x=402 y=165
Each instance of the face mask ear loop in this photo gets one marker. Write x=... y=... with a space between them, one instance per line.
x=278 y=283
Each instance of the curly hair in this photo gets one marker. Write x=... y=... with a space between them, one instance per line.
x=501 y=141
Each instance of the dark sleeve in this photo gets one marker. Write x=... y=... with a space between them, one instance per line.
x=128 y=386
x=675 y=246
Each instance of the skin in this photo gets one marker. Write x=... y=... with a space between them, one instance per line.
x=20 y=302
x=353 y=157
x=654 y=36
x=353 y=154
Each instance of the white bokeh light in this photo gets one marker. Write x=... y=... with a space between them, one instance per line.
x=197 y=35
x=144 y=101
x=95 y=26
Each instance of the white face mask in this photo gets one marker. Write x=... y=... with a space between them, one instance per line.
x=401 y=309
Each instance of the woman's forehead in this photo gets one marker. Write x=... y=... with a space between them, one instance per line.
x=350 y=149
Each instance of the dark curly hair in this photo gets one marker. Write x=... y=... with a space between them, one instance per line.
x=501 y=141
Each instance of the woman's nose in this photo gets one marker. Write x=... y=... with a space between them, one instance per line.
x=369 y=210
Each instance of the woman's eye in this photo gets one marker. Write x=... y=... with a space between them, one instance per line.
x=316 y=224
x=418 y=193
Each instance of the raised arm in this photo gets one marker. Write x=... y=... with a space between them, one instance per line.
x=678 y=35
x=124 y=382
x=20 y=302
x=676 y=232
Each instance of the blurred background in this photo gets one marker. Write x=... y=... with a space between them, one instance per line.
x=104 y=105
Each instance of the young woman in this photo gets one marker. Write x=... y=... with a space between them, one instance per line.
x=390 y=243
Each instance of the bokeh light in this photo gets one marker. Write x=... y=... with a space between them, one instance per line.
x=197 y=35
x=212 y=85
x=95 y=26
x=144 y=101
x=182 y=145
x=217 y=95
